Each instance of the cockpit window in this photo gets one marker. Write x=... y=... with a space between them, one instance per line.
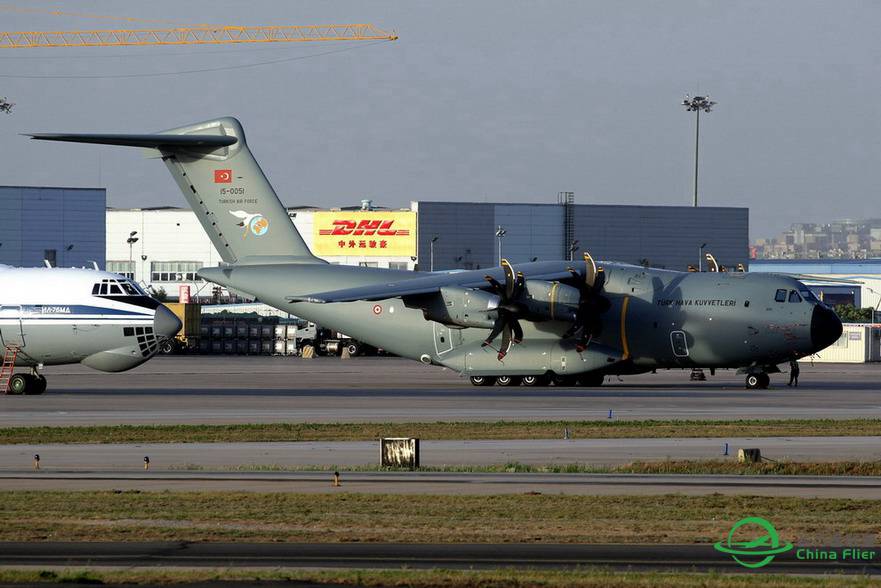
x=808 y=295
x=120 y=287
x=780 y=296
x=794 y=297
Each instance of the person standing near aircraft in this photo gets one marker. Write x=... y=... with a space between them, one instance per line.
x=793 y=373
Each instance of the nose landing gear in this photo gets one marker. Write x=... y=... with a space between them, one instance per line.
x=27 y=384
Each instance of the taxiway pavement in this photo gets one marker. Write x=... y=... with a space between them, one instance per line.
x=234 y=389
x=680 y=557
x=448 y=483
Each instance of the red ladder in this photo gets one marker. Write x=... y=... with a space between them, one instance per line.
x=8 y=367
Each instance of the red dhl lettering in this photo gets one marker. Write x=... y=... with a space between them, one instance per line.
x=364 y=227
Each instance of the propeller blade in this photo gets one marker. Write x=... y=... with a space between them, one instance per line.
x=497 y=328
x=590 y=273
x=509 y=279
x=494 y=283
x=518 y=331
x=519 y=285
x=506 y=341
x=599 y=280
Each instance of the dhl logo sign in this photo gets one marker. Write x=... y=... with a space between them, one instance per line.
x=364 y=227
x=364 y=233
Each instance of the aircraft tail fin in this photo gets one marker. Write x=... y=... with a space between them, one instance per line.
x=223 y=184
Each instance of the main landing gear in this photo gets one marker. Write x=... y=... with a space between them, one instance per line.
x=757 y=381
x=590 y=380
x=27 y=384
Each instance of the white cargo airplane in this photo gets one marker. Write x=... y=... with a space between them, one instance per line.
x=53 y=316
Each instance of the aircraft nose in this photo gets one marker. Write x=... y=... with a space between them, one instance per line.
x=825 y=327
x=165 y=323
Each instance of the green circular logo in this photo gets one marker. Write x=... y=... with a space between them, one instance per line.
x=765 y=543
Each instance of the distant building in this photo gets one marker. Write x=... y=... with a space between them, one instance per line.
x=64 y=226
x=846 y=239
x=661 y=236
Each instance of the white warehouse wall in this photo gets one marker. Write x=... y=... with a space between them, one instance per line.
x=174 y=235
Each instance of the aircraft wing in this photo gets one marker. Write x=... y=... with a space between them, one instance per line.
x=427 y=285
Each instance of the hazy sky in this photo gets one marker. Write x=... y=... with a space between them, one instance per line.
x=499 y=101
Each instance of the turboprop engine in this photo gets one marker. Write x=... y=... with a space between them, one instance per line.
x=462 y=307
x=550 y=301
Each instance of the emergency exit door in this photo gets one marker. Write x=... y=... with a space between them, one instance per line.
x=10 y=326
x=679 y=343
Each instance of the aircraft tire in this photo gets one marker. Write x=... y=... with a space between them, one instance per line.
x=753 y=381
x=591 y=380
x=764 y=381
x=482 y=380
x=536 y=380
x=18 y=384
x=36 y=385
x=354 y=349
x=508 y=380
x=565 y=381
x=41 y=384
x=168 y=347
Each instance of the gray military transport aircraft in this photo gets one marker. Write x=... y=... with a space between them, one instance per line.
x=572 y=322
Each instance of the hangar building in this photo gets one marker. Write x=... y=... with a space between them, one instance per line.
x=64 y=226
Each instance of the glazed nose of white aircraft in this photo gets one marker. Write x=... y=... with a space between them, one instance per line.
x=165 y=323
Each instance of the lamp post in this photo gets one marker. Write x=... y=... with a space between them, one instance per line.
x=500 y=232
x=573 y=247
x=696 y=105
x=431 y=248
x=131 y=241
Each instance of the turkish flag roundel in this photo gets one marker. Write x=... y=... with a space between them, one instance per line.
x=223 y=176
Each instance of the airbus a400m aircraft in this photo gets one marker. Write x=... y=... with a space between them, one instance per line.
x=574 y=322
x=55 y=316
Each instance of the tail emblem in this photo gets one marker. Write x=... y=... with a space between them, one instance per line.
x=223 y=176
x=255 y=223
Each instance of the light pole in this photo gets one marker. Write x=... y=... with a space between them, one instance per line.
x=500 y=232
x=573 y=247
x=696 y=105
x=700 y=258
x=131 y=241
x=431 y=248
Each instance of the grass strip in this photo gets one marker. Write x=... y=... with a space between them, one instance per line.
x=684 y=466
x=347 y=517
x=604 y=429
x=587 y=578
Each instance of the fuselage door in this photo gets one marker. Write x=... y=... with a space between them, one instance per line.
x=443 y=338
x=10 y=326
x=679 y=342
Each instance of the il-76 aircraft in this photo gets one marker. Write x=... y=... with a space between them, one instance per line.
x=569 y=321
x=55 y=316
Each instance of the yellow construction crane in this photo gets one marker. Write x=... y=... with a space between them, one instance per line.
x=186 y=35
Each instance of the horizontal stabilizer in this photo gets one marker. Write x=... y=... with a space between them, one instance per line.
x=168 y=142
